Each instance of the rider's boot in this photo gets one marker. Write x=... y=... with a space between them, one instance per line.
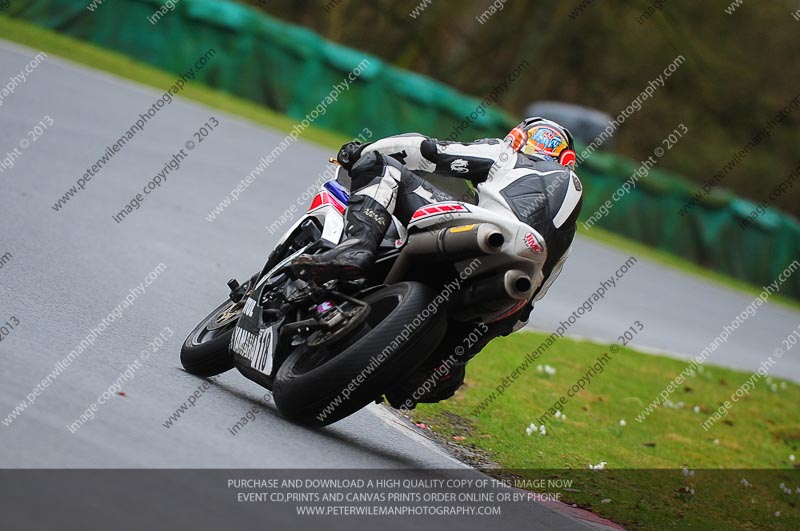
x=366 y=221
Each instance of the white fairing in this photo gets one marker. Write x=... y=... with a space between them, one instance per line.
x=332 y=222
x=333 y=225
x=523 y=249
x=491 y=199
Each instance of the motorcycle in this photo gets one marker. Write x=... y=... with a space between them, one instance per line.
x=326 y=351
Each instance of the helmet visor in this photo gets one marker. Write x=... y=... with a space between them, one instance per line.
x=545 y=140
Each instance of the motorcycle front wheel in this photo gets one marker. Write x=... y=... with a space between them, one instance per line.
x=205 y=351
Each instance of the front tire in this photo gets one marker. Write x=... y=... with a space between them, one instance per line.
x=310 y=383
x=205 y=351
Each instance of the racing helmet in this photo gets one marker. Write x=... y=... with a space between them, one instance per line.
x=545 y=139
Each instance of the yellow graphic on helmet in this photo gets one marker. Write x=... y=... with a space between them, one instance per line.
x=545 y=140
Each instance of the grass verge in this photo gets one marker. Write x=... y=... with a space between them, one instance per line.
x=643 y=485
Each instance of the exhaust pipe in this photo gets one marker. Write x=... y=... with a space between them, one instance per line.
x=455 y=243
x=451 y=243
x=517 y=284
x=513 y=284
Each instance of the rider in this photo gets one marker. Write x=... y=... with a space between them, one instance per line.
x=533 y=165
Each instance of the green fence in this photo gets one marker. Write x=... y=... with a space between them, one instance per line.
x=285 y=67
x=291 y=69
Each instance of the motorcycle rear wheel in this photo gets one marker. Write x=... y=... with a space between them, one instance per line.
x=400 y=332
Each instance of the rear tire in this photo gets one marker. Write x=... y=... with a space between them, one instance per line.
x=205 y=351
x=312 y=395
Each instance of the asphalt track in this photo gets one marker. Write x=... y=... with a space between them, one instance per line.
x=70 y=268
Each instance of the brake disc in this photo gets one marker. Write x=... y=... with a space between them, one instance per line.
x=354 y=318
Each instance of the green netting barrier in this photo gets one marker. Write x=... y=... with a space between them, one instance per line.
x=285 y=67
x=291 y=69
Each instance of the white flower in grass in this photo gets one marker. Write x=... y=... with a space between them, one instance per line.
x=539 y=368
x=782 y=486
x=563 y=417
x=783 y=385
x=798 y=490
x=530 y=429
x=549 y=370
x=769 y=380
x=697 y=409
x=745 y=483
x=685 y=471
x=558 y=414
x=622 y=422
x=716 y=441
x=542 y=430
x=791 y=458
x=774 y=388
x=777 y=513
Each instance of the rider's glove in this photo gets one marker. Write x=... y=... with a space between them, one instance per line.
x=349 y=154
